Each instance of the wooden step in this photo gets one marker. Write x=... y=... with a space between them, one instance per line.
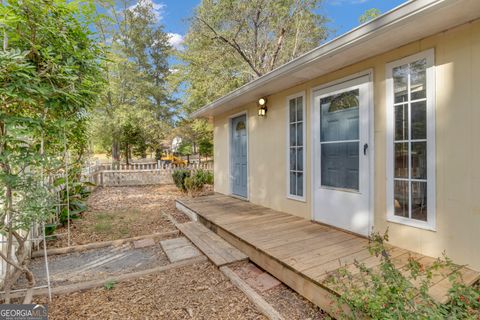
x=215 y=248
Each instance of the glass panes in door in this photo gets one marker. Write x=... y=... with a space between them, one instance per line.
x=339 y=140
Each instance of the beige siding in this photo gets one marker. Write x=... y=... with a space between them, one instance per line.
x=457 y=60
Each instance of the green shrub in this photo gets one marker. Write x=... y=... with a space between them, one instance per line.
x=205 y=176
x=179 y=177
x=387 y=292
x=194 y=183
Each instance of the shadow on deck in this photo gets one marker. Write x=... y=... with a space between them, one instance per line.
x=298 y=252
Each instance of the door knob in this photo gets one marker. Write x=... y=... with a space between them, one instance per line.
x=365 y=147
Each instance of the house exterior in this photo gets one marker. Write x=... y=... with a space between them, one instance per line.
x=375 y=129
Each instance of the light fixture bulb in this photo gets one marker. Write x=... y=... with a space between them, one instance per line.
x=261 y=101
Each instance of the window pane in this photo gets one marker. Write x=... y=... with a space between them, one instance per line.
x=299 y=109
x=300 y=134
x=400 y=80
x=293 y=135
x=401 y=160
x=293 y=159
x=339 y=165
x=419 y=160
x=419 y=120
x=418 y=80
x=401 y=122
x=300 y=184
x=419 y=201
x=293 y=111
x=293 y=185
x=339 y=116
x=401 y=198
x=299 y=159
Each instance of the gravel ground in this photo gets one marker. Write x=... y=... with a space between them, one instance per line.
x=93 y=264
x=193 y=292
x=123 y=212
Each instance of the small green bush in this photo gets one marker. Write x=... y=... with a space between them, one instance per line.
x=205 y=176
x=179 y=177
x=387 y=292
x=194 y=183
x=109 y=285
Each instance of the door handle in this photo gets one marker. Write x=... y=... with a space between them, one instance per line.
x=365 y=147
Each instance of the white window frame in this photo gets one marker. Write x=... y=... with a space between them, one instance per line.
x=304 y=106
x=430 y=224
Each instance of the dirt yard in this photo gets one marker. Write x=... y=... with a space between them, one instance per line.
x=123 y=212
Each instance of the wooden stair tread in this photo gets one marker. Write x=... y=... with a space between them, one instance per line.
x=213 y=246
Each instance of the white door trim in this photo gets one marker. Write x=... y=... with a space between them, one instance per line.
x=314 y=140
x=241 y=113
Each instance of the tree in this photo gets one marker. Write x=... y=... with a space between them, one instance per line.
x=185 y=149
x=369 y=15
x=137 y=73
x=205 y=148
x=51 y=76
x=193 y=131
x=232 y=42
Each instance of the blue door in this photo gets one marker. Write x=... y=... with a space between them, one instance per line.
x=238 y=156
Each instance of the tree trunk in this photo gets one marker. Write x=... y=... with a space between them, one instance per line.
x=115 y=151
x=127 y=153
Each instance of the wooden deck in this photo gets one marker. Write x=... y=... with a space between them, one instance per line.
x=298 y=252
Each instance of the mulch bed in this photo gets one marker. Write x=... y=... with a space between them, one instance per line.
x=195 y=292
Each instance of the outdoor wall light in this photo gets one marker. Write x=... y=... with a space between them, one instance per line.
x=262 y=107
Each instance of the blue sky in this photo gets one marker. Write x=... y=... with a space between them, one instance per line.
x=342 y=13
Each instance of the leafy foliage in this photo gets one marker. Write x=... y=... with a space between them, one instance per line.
x=368 y=15
x=179 y=177
x=388 y=292
x=51 y=75
x=109 y=285
x=192 y=181
x=232 y=42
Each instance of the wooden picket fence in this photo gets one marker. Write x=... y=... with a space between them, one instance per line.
x=136 y=174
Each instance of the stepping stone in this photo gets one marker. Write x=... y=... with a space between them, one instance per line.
x=143 y=243
x=263 y=282
x=179 y=249
x=252 y=270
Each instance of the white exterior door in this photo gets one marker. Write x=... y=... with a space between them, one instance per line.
x=342 y=155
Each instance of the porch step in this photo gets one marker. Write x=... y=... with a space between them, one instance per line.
x=215 y=248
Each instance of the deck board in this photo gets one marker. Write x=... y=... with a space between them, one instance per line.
x=215 y=248
x=301 y=253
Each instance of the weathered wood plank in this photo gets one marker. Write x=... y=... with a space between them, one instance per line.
x=215 y=248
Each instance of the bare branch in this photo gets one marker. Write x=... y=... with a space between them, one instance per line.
x=277 y=50
x=233 y=44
